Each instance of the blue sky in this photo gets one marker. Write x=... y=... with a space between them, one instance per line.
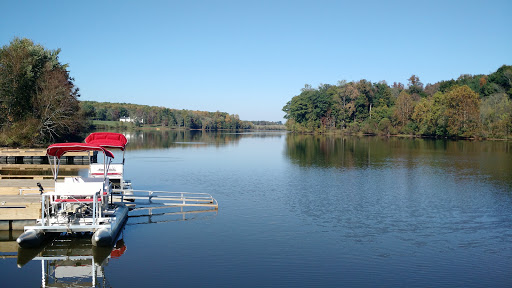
x=251 y=57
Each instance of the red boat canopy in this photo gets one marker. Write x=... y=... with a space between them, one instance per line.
x=107 y=140
x=60 y=149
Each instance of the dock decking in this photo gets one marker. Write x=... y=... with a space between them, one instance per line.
x=17 y=210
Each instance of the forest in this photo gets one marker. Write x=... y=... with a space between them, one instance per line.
x=165 y=117
x=472 y=106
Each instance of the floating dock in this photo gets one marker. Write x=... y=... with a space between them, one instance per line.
x=20 y=202
x=38 y=156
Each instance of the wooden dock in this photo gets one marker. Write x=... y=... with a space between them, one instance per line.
x=17 y=210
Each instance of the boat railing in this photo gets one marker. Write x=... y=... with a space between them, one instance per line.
x=22 y=191
x=168 y=198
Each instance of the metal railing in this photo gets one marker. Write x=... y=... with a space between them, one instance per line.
x=169 y=198
x=29 y=189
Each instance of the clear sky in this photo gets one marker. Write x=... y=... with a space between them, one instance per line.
x=251 y=57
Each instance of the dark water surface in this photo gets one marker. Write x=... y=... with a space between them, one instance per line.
x=315 y=211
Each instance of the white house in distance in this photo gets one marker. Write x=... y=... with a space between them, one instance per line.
x=128 y=119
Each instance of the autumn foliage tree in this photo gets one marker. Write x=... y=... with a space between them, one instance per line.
x=55 y=104
x=404 y=108
x=462 y=111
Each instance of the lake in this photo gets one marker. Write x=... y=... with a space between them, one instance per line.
x=312 y=211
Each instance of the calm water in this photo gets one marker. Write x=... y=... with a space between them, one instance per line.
x=314 y=211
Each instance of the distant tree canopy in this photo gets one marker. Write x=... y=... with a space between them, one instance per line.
x=162 y=116
x=38 y=100
x=471 y=106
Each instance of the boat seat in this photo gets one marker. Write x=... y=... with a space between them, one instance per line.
x=115 y=171
x=78 y=189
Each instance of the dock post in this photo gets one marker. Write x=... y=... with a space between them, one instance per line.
x=42 y=210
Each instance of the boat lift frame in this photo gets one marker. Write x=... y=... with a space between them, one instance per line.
x=84 y=225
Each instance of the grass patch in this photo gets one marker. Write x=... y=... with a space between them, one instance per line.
x=100 y=124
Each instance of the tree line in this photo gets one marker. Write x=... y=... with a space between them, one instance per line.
x=161 y=116
x=471 y=106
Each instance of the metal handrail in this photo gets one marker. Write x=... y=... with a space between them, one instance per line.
x=29 y=189
x=184 y=197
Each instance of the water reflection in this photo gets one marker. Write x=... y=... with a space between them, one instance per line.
x=163 y=214
x=156 y=139
x=171 y=138
x=8 y=245
x=491 y=159
x=406 y=205
x=72 y=262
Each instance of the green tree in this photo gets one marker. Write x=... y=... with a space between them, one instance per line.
x=21 y=64
x=365 y=100
x=362 y=106
x=296 y=109
x=503 y=79
x=423 y=116
x=383 y=95
x=123 y=112
x=101 y=114
x=89 y=110
x=385 y=125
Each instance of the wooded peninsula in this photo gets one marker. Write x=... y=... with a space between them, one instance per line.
x=473 y=106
